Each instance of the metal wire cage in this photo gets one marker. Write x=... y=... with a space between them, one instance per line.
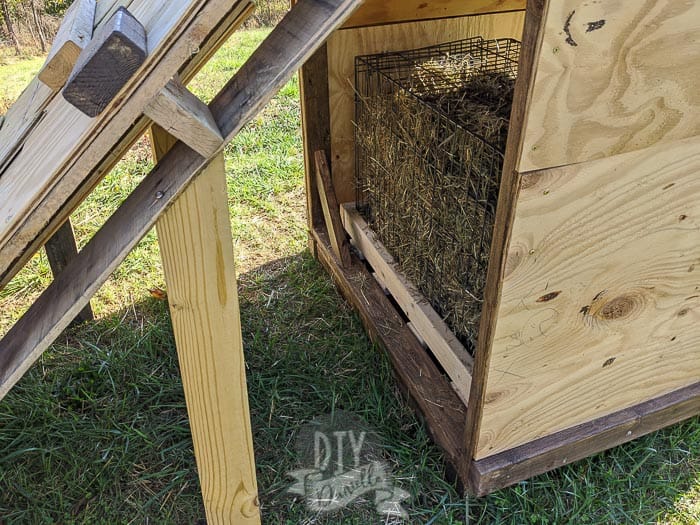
x=430 y=132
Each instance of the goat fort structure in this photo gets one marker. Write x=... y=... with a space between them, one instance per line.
x=590 y=321
x=590 y=332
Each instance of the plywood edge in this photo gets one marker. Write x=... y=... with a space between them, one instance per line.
x=567 y=446
x=380 y=12
x=454 y=358
x=505 y=217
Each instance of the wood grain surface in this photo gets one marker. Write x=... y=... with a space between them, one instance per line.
x=600 y=308
x=378 y=12
x=613 y=77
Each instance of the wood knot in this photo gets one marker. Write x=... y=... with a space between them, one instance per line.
x=549 y=297
x=618 y=308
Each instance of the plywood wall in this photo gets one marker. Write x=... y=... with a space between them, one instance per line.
x=344 y=45
x=613 y=77
x=600 y=308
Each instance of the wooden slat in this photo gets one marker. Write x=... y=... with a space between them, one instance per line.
x=60 y=250
x=116 y=52
x=185 y=117
x=329 y=203
x=613 y=77
x=267 y=70
x=505 y=214
x=568 y=446
x=72 y=37
x=427 y=387
x=377 y=12
x=228 y=24
x=442 y=342
x=345 y=45
x=196 y=246
x=600 y=307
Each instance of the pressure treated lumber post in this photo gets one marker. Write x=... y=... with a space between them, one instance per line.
x=60 y=250
x=197 y=251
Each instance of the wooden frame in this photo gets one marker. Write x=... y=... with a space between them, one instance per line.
x=593 y=258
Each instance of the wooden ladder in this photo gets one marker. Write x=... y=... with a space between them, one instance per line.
x=184 y=196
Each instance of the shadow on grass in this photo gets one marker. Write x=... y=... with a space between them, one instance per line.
x=97 y=432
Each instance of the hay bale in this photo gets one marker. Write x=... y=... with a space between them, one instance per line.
x=429 y=156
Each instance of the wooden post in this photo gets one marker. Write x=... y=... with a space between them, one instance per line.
x=197 y=250
x=60 y=250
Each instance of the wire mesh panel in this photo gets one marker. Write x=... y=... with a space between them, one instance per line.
x=431 y=128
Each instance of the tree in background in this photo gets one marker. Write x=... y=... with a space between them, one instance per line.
x=31 y=23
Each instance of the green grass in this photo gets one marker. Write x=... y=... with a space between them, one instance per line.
x=15 y=74
x=97 y=432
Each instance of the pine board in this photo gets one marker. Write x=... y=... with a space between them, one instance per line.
x=613 y=77
x=600 y=308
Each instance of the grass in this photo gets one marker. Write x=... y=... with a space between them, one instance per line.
x=97 y=432
x=16 y=74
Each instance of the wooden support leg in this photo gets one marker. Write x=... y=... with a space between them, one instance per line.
x=60 y=250
x=197 y=250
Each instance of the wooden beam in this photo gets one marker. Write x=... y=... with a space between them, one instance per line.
x=567 y=446
x=329 y=203
x=427 y=387
x=380 y=12
x=72 y=37
x=51 y=221
x=264 y=74
x=185 y=117
x=61 y=250
x=196 y=245
x=116 y=52
x=442 y=342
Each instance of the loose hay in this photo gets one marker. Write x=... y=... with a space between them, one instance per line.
x=431 y=129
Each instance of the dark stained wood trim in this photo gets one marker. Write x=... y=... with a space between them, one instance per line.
x=61 y=249
x=567 y=446
x=428 y=388
x=331 y=210
x=316 y=126
x=505 y=215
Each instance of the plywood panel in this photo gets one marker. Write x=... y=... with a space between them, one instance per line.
x=600 y=307
x=376 y=12
x=344 y=45
x=613 y=77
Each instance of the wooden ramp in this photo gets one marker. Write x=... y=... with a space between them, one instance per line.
x=76 y=120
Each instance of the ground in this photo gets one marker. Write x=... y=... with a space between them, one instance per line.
x=97 y=432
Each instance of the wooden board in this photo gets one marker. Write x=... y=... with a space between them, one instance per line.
x=442 y=342
x=185 y=117
x=344 y=45
x=613 y=77
x=196 y=246
x=600 y=308
x=116 y=51
x=331 y=211
x=378 y=12
x=73 y=35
